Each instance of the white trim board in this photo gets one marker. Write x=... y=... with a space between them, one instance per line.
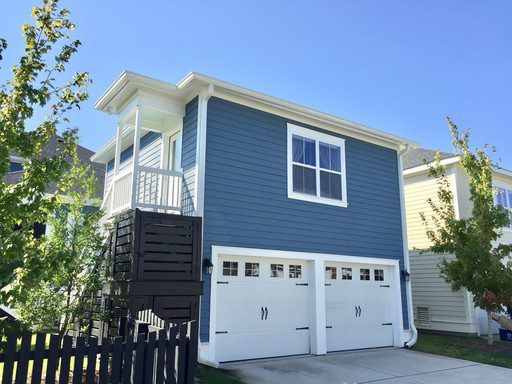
x=317 y=261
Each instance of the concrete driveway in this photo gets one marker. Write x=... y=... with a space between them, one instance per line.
x=389 y=366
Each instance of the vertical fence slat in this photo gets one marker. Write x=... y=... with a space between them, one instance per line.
x=78 y=367
x=160 y=357
x=37 y=367
x=105 y=353
x=139 y=358
x=128 y=358
x=182 y=354
x=117 y=355
x=90 y=373
x=65 y=359
x=170 y=357
x=23 y=358
x=10 y=351
x=150 y=358
x=53 y=359
x=192 y=352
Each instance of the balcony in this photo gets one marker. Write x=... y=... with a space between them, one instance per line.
x=155 y=189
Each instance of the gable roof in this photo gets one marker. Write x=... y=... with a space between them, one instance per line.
x=417 y=157
x=50 y=149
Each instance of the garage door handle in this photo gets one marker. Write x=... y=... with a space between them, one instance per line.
x=360 y=311
x=262 y=313
x=266 y=313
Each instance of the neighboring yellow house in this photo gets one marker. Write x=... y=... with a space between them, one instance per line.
x=436 y=307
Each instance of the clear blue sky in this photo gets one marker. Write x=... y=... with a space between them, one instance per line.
x=398 y=66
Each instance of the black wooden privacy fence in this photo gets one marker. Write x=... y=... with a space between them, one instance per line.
x=152 y=352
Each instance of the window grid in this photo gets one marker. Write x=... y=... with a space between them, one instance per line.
x=330 y=273
x=378 y=274
x=504 y=198
x=346 y=273
x=318 y=173
x=276 y=270
x=230 y=268
x=364 y=274
x=295 y=271
x=252 y=269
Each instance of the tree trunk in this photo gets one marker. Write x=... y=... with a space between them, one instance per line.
x=490 y=335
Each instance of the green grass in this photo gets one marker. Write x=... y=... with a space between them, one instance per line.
x=467 y=348
x=209 y=375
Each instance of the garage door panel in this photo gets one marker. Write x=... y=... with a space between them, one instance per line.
x=258 y=316
x=254 y=345
x=357 y=308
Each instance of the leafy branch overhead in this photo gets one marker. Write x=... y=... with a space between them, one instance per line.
x=471 y=255
x=37 y=85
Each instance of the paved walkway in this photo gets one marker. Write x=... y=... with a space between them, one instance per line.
x=389 y=366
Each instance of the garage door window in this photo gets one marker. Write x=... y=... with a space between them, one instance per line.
x=295 y=272
x=276 y=270
x=252 y=269
x=379 y=274
x=330 y=273
x=230 y=268
x=364 y=274
x=346 y=273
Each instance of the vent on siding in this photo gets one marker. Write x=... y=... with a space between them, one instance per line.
x=423 y=315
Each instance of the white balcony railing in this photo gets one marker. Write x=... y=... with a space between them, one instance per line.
x=156 y=189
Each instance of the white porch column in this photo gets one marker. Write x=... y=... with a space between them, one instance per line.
x=119 y=139
x=317 y=304
x=117 y=161
x=135 y=158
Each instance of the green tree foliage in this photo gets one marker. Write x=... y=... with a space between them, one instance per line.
x=36 y=85
x=75 y=240
x=481 y=265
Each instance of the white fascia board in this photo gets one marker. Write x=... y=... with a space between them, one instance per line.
x=451 y=161
x=425 y=167
x=295 y=111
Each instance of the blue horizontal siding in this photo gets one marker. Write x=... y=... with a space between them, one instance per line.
x=246 y=202
x=188 y=157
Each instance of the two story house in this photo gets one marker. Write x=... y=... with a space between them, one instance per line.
x=304 y=246
x=436 y=307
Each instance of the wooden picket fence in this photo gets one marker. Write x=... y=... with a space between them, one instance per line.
x=165 y=355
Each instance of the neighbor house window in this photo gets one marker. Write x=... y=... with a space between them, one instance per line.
x=230 y=268
x=330 y=273
x=252 y=269
x=504 y=198
x=346 y=273
x=276 y=270
x=295 y=271
x=364 y=274
x=316 y=166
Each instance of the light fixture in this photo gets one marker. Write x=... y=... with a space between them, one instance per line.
x=405 y=275
x=208 y=266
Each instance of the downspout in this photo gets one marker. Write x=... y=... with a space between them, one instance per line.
x=407 y=264
x=204 y=96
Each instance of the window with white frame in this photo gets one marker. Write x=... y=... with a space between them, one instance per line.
x=504 y=198
x=316 y=166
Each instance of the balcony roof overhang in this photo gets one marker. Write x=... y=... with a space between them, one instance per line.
x=128 y=84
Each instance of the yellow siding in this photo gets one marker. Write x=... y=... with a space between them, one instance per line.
x=418 y=189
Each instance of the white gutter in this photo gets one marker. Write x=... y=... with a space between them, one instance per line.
x=407 y=263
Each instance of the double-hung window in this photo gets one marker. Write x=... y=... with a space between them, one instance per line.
x=316 y=167
x=504 y=198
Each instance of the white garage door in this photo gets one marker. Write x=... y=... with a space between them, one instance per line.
x=262 y=308
x=358 y=306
